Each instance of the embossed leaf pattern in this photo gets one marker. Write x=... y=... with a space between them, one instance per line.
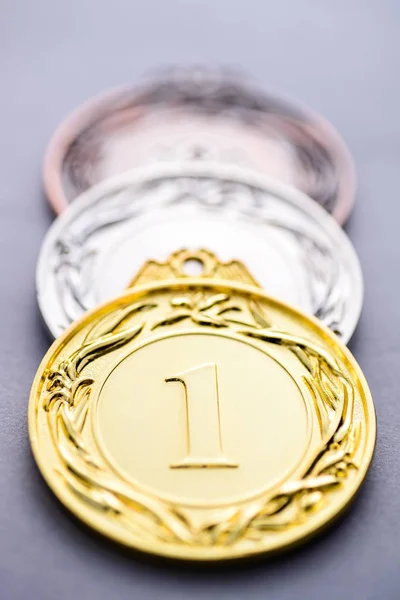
x=211 y=311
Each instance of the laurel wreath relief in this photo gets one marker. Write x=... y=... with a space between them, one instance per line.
x=88 y=477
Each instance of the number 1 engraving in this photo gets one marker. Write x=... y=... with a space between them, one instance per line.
x=203 y=419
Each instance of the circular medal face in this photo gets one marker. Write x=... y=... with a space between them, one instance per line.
x=199 y=115
x=201 y=420
x=292 y=247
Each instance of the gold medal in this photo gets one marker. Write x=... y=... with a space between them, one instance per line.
x=197 y=418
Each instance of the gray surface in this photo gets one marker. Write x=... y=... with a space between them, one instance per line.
x=342 y=58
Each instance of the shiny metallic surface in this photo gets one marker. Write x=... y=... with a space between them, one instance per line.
x=200 y=419
x=202 y=115
x=291 y=246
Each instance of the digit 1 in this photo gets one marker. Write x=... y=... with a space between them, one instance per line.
x=203 y=419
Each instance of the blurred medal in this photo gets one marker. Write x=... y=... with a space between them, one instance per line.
x=294 y=249
x=199 y=114
x=197 y=418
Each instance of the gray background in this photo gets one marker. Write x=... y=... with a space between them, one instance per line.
x=342 y=58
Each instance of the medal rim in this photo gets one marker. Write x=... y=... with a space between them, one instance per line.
x=322 y=520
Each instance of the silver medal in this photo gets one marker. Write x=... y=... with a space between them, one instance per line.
x=292 y=247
